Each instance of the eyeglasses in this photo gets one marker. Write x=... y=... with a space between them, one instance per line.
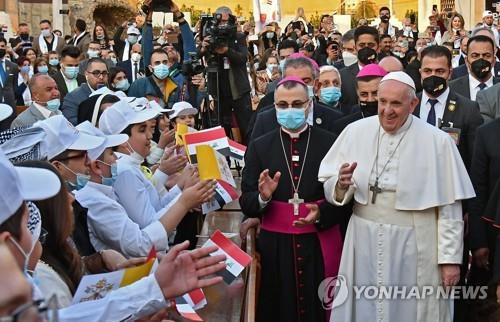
x=43 y=236
x=295 y=104
x=28 y=312
x=83 y=154
x=97 y=73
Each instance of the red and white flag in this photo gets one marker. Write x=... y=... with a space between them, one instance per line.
x=236 y=259
x=186 y=310
x=214 y=137
x=224 y=194
x=196 y=299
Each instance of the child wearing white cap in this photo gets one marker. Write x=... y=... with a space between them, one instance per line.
x=179 y=272
x=143 y=199
x=109 y=224
x=183 y=113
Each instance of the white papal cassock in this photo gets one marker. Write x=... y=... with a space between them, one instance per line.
x=415 y=224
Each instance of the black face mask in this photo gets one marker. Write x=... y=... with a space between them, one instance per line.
x=24 y=37
x=481 y=68
x=385 y=18
x=369 y=108
x=2 y=53
x=367 y=56
x=434 y=85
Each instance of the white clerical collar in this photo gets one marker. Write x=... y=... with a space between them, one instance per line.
x=294 y=135
x=474 y=83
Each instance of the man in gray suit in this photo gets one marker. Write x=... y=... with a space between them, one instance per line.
x=45 y=101
x=8 y=83
x=97 y=77
x=489 y=103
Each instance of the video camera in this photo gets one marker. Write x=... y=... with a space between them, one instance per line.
x=220 y=35
x=192 y=66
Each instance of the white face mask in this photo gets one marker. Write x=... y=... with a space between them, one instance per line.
x=134 y=155
x=135 y=57
x=349 y=58
x=25 y=255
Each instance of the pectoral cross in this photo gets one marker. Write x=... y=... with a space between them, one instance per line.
x=375 y=189
x=296 y=201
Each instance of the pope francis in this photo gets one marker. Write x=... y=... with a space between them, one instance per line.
x=407 y=180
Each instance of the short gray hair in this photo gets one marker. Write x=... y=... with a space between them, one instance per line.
x=481 y=28
x=223 y=9
x=327 y=69
x=300 y=62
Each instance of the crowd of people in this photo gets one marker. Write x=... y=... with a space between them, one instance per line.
x=372 y=155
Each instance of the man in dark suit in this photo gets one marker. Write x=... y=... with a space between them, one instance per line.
x=462 y=70
x=322 y=116
x=364 y=37
x=68 y=78
x=8 y=83
x=134 y=67
x=485 y=173
x=455 y=115
x=480 y=61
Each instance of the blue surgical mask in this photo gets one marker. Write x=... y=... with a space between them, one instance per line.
x=81 y=179
x=92 y=53
x=114 y=173
x=269 y=35
x=54 y=62
x=25 y=69
x=291 y=118
x=53 y=105
x=270 y=67
x=282 y=66
x=330 y=95
x=71 y=71
x=132 y=39
x=43 y=69
x=122 y=85
x=310 y=91
x=161 y=71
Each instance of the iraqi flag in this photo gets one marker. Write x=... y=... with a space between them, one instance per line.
x=236 y=259
x=224 y=194
x=196 y=299
x=186 y=310
x=214 y=137
x=237 y=150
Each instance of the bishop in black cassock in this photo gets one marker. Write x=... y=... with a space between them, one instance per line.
x=294 y=259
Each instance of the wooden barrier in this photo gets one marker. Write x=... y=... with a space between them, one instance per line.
x=252 y=278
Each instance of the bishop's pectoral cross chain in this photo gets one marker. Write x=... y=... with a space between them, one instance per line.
x=295 y=201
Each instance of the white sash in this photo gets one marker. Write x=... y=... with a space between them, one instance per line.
x=77 y=39
x=43 y=45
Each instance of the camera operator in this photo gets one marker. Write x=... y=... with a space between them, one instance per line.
x=229 y=84
x=167 y=84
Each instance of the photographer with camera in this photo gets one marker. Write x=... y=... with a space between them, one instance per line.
x=167 y=84
x=225 y=51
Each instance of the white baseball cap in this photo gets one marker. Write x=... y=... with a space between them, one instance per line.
x=62 y=136
x=23 y=183
x=121 y=114
x=401 y=77
x=132 y=30
x=109 y=140
x=154 y=105
x=182 y=108
x=487 y=13
x=5 y=111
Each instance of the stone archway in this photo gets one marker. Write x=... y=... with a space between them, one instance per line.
x=110 y=13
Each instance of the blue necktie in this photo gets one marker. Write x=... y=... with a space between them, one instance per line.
x=431 y=118
x=3 y=75
x=481 y=86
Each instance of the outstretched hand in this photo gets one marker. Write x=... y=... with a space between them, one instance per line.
x=268 y=184
x=345 y=175
x=182 y=271
x=311 y=217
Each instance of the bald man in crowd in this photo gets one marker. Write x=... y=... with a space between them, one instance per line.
x=45 y=101
x=391 y=64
